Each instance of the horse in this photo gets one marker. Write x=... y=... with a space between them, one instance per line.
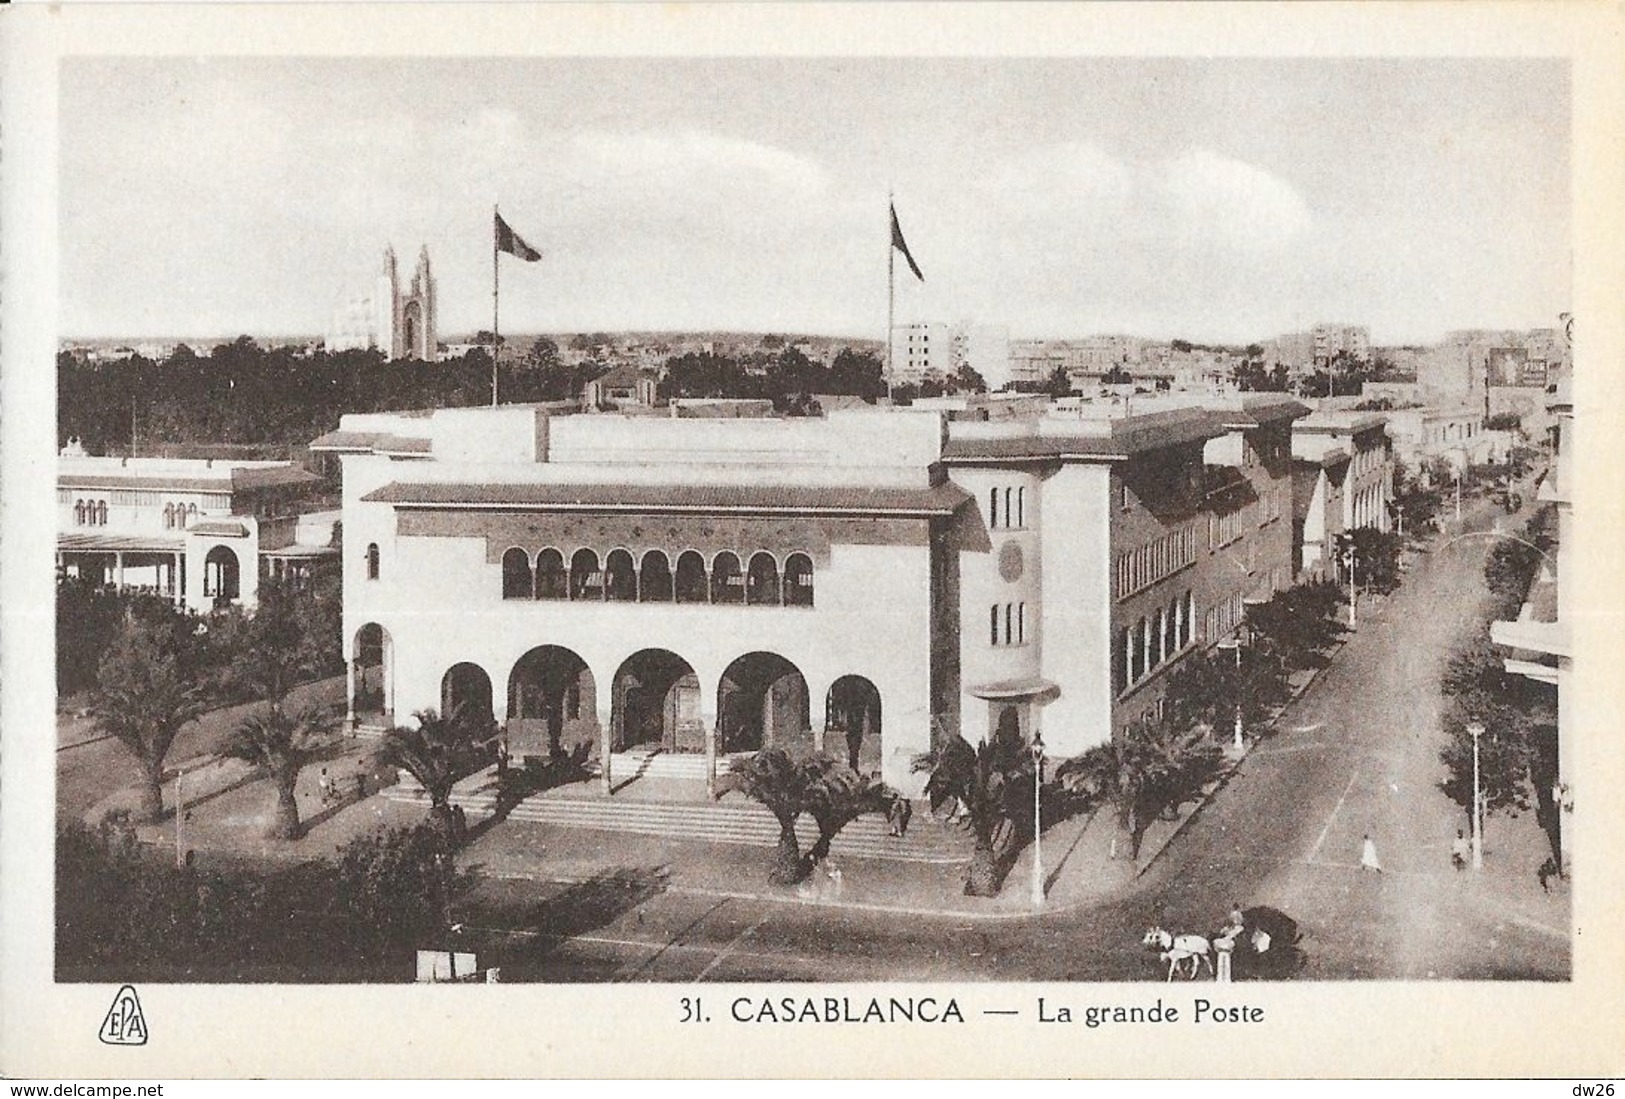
x=1176 y=949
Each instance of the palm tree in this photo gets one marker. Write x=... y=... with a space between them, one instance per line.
x=437 y=753
x=990 y=783
x=836 y=796
x=282 y=743
x=1153 y=767
x=143 y=696
x=772 y=778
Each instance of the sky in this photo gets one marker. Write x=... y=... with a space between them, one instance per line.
x=1211 y=200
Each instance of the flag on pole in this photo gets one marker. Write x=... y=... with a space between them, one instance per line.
x=510 y=242
x=901 y=245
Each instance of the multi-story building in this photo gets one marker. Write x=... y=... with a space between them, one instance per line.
x=864 y=582
x=920 y=350
x=198 y=531
x=1343 y=479
x=1332 y=340
x=1540 y=643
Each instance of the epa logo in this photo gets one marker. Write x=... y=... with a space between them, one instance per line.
x=124 y=1025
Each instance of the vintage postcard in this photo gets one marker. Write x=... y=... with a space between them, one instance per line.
x=811 y=540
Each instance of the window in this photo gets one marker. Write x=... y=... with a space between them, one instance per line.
x=78 y=513
x=762 y=580
x=727 y=580
x=552 y=580
x=1021 y=507
x=1021 y=623
x=1009 y=509
x=654 y=578
x=517 y=579
x=372 y=561
x=586 y=582
x=798 y=581
x=101 y=513
x=692 y=584
x=620 y=578
x=993 y=508
x=993 y=625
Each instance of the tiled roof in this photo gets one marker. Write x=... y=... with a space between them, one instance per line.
x=149 y=480
x=127 y=543
x=1128 y=437
x=941 y=499
x=219 y=528
x=380 y=442
x=1339 y=425
x=624 y=374
x=298 y=551
x=1258 y=411
x=266 y=476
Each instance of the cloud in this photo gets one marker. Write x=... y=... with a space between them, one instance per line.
x=1241 y=203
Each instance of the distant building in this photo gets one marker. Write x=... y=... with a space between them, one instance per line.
x=1343 y=479
x=1295 y=351
x=1332 y=340
x=921 y=350
x=399 y=322
x=198 y=531
x=625 y=388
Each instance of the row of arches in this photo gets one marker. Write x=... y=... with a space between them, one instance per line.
x=654 y=579
x=90 y=513
x=762 y=700
x=1153 y=640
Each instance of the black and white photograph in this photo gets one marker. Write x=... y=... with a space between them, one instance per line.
x=872 y=529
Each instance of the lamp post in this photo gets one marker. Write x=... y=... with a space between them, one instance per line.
x=1354 y=592
x=1038 y=851
x=1477 y=731
x=1234 y=644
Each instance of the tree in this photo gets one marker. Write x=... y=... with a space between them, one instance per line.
x=1514 y=713
x=772 y=778
x=396 y=886
x=992 y=785
x=1152 y=768
x=269 y=649
x=282 y=743
x=437 y=753
x=145 y=692
x=1060 y=383
x=967 y=380
x=1375 y=556
x=836 y=795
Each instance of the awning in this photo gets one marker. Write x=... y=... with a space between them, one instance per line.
x=1025 y=689
x=218 y=528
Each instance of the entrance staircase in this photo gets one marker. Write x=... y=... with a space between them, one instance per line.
x=683 y=812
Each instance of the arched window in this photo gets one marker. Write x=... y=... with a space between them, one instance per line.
x=517 y=580
x=1122 y=657
x=798 y=581
x=1176 y=626
x=727 y=582
x=762 y=581
x=993 y=508
x=993 y=625
x=552 y=582
x=1009 y=507
x=586 y=582
x=691 y=583
x=654 y=579
x=191 y=511
x=101 y=513
x=1190 y=616
x=79 y=513
x=372 y=561
x=1021 y=623
x=1009 y=622
x=1161 y=644
x=169 y=516
x=620 y=578
x=1021 y=507
x=1137 y=653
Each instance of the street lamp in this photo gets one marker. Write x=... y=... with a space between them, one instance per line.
x=1038 y=851
x=1354 y=592
x=1477 y=731
x=1235 y=644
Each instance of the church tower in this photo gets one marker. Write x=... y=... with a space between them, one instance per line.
x=406 y=320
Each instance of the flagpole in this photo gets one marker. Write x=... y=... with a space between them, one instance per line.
x=496 y=340
x=891 y=289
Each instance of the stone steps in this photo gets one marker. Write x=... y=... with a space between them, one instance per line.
x=744 y=823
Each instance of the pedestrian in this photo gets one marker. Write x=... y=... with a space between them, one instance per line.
x=1547 y=871
x=1458 y=851
x=326 y=785
x=1368 y=855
